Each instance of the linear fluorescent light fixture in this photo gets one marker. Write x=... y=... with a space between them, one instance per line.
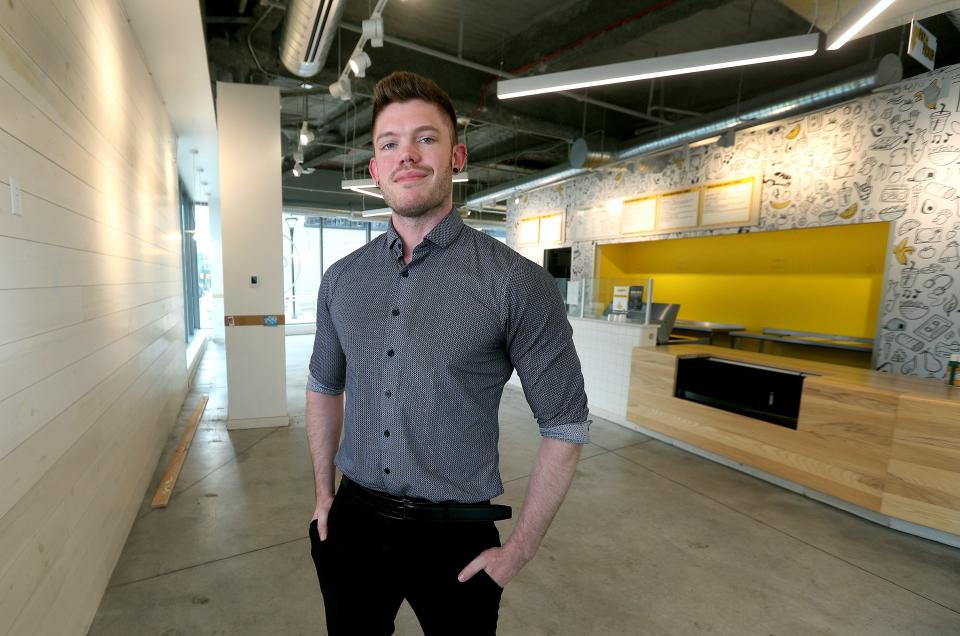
x=362 y=186
x=694 y=62
x=376 y=212
x=852 y=23
x=369 y=186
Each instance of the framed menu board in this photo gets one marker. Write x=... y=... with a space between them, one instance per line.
x=543 y=228
x=598 y=223
x=732 y=202
x=679 y=210
x=551 y=228
x=639 y=215
x=529 y=231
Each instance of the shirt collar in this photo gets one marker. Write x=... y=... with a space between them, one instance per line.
x=445 y=232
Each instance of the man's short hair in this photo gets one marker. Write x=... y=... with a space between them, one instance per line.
x=404 y=86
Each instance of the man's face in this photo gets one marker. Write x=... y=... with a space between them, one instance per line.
x=414 y=156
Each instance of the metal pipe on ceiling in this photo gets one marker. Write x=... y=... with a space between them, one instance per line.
x=857 y=80
x=308 y=33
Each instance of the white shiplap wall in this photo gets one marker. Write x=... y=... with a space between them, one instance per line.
x=92 y=361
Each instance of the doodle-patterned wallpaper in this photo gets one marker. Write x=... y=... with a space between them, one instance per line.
x=889 y=156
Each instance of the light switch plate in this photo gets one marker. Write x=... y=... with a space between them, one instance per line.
x=16 y=197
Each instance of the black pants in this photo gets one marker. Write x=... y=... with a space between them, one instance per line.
x=369 y=564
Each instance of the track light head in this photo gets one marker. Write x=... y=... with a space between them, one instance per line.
x=341 y=89
x=359 y=63
x=306 y=135
x=373 y=31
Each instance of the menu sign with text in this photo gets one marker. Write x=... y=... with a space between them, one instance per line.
x=639 y=215
x=729 y=202
x=529 y=231
x=679 y=210
x=598 y=223
x=551 y=228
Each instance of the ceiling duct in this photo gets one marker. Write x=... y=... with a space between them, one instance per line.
x=582 y=157
x=803 y=98
x=309 y=31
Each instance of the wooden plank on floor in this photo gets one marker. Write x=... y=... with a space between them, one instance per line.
x=165 y=490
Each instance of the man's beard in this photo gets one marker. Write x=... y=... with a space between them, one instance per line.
x=432 y=199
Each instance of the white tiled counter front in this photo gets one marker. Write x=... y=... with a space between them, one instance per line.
x=606 y=350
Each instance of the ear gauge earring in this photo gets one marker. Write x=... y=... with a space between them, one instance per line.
x=456 y=170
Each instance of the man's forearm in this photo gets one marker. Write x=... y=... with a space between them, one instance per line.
x=324 y=423
x=552 y=473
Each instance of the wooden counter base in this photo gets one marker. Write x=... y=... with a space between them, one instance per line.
x=886 y=443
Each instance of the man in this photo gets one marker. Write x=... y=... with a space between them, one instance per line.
x=417 y=333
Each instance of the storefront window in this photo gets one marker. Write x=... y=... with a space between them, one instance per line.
x=340 y=237
x=201 y=237
x=312 y=244
x=191 y=305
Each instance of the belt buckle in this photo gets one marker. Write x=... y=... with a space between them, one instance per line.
x=405 y=504
x=393 y=509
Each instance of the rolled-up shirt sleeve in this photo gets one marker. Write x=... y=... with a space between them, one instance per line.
x=540 y=346
x=328 y=363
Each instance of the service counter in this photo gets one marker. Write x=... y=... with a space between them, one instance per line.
x=883 y=443
x=605 y=349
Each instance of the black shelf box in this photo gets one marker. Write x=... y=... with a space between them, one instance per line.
x=763 y=393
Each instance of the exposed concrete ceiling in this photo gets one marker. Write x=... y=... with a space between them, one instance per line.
x=510 y=139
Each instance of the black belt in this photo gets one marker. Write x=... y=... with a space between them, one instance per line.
x=408 y=509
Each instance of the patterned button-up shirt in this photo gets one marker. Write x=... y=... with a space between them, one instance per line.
x=422 y=352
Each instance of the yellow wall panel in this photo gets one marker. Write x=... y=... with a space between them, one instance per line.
x=821 y=279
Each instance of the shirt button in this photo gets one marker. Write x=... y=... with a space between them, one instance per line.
x=390 y=353
x=386 y=433
x=386 y=471
x=395 y=312
x=404 y=273
x=388 y=394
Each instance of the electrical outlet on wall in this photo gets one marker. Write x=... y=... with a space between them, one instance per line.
x=16 y=197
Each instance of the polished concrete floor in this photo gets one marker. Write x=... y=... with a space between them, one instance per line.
x=651 y=540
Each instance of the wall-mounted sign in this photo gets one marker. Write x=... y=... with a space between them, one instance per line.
x=551 y=228
x=639 y=215
x=923 y=45
x=598 y=222
x=529 y=231
x=544 y=228
x=679 y=210
x=733 y=202
x=270 y=320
